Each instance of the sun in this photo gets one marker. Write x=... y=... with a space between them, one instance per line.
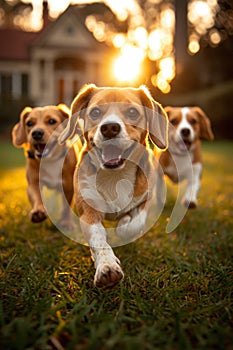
x=128 y=66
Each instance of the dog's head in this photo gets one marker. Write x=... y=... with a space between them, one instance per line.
x=187 y=124
x=112 y=120
x=35 y=127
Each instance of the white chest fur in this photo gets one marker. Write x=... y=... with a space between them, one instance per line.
x=111 y=191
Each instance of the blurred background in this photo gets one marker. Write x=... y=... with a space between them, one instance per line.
x=182 y=50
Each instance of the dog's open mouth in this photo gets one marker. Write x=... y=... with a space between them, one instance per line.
x=43 y=149
x=184 y=145
x=112 y=157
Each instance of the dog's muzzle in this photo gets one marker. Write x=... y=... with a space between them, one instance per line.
x=185 y=141
x=110 y=130
x=112 y=156
x=43 y=150
x=111 y=150
x=113 y=153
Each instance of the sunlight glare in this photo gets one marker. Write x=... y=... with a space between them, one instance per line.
x=163 y=85
x=140 y=37
x=155 y=44
x=167 y=68
x=193 y=46
x=119 y=40
x=201 y=15
x=127 y=66
x=168 y=18
x=143 y=38
x=30 y=19
x=58 y=7
x=215 y=37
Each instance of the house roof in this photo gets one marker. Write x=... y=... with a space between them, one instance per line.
x=15 y=44
x=68 y=31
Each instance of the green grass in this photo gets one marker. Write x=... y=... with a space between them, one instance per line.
x=177 y=291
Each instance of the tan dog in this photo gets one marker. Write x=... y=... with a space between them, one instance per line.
x=33 y=132
x=115 y=174
x=182 y=160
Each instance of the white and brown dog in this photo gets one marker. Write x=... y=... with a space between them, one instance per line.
x=182 y=160
x=37 y=132
x=115 y=175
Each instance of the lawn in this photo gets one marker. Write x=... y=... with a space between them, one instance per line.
x=177 y=291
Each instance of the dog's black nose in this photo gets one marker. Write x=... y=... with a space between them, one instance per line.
x=38 y=134
x=110 y=130
x=185 y=132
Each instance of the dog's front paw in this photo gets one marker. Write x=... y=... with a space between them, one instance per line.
x=108 y=274
x=37 y=216
x=190 y=204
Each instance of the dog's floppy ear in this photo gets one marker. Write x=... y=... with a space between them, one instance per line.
x=64 y=109
x=205 y=127
x=168 y=109
x=78 y=105
x=19 y=136
x=156 y=118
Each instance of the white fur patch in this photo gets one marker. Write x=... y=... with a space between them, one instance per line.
x=106 y=263
x=131 y=226
x=184 y=124
x=110 y=191
x=193 y=184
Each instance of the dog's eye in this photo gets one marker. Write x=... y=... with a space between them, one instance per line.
x=29 y=123
x=132 y=113
x=193 y=121
x=52 y=121
x=95 y=113
x=174 y=121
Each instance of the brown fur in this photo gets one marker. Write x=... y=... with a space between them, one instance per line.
x=113 y=103
x=39 y=118
x=198 y=126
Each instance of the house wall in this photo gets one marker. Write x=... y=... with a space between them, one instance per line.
x=58 y=62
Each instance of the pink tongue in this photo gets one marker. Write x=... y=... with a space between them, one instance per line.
x=111 y=153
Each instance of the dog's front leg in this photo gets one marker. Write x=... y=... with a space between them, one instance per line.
x=66 y=218
x=160 y=189
x=131 y=226
x=38 y=212
x=190 y=197
x=108 y=269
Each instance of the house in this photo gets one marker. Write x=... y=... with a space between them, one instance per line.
x=51 y=65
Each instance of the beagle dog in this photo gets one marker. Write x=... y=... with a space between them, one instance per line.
x=114 y=178
x=37 y=132
x=182 y=160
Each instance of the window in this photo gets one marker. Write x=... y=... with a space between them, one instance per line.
x=13 y=85
x=6 y=85
x=25 y=84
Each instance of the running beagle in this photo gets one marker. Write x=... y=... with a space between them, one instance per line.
x=37 y=132
x=114 y=178
x=182 y=160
